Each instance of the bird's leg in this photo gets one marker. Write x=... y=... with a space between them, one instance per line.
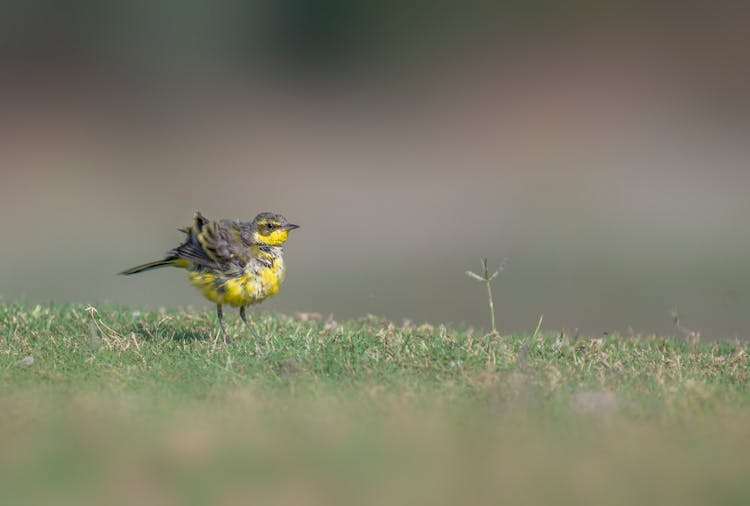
x=220 y=316
x=247 y=322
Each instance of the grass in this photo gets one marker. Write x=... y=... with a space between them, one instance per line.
x=124 y=406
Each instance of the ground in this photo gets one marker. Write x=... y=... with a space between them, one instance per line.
x=112 y=405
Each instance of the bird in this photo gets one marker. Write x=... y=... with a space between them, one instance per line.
x=232 y=262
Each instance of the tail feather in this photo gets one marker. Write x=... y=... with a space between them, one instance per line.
x=147 y=267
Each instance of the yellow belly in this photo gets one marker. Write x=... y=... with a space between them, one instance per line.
x=249 y=287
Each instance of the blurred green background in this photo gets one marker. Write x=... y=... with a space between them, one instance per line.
x=601 y=147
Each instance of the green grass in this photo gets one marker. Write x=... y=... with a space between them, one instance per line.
x=124 y=406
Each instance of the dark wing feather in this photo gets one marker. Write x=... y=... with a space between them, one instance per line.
x=213 y=245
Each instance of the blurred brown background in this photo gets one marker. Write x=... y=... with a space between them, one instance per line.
x=601 y=147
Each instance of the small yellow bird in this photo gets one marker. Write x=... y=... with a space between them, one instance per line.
x=232 y=262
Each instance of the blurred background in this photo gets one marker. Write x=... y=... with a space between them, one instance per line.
x=602 y=147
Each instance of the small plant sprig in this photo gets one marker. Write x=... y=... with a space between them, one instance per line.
x=487 y=278
x=692 y=336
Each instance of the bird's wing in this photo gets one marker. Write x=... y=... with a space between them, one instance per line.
x=212 y=244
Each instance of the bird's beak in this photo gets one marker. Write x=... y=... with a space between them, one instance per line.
x=290 y=226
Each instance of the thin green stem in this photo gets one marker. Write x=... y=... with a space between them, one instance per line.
x=538 y=326
x=492 y=306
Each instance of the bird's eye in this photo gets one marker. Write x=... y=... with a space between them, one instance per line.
x=269 y=226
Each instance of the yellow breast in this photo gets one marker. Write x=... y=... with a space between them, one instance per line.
x=256 y=283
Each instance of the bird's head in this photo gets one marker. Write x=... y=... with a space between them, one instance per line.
x=271 y=229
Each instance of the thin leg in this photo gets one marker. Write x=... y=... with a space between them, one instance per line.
x=220 y=316
x=247 y=322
